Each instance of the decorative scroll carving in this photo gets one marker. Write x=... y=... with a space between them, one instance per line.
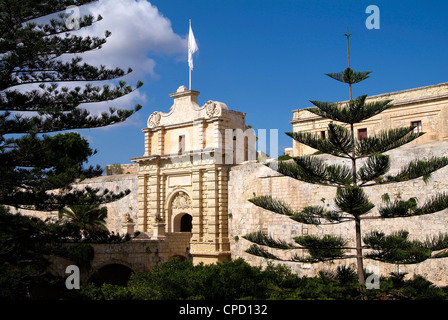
x=181 y=201
x=154 y=119
x=212 y=109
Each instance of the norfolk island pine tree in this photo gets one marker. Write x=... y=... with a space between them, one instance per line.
x=351 y=202
x=33 y=159
x=39 y=152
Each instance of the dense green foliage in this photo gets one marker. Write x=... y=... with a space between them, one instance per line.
x=233 y=280
x=44 y=88
x=26 y=245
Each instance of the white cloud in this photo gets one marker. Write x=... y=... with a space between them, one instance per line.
x=138 y=31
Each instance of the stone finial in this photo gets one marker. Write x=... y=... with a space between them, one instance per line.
x=182 y=89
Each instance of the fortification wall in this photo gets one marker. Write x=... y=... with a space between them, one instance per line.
x=255 y=178
x=115 y=210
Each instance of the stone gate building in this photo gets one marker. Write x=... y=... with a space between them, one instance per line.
x=183 y=175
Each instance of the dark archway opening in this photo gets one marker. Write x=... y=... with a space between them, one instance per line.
x=186 y=223
x=115 y=274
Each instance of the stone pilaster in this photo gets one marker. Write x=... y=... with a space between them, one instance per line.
x=196 y=203
x=161 y=141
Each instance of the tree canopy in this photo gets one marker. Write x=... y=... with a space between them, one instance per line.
x=44 y=87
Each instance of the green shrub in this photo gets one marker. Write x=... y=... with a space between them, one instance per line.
x=232 y=280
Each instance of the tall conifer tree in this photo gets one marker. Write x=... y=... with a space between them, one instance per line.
x=33 y=160
x=351 y=201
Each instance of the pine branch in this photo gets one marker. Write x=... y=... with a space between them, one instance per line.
x=26 y=10
x=376 y=166
x=437 y=203
x=262 y=238
x=260 y=252
x=320 y=249
x=51 y=99
x=339 y=142
x=317 y=212
x=350 y=76
x=59 y=121
x=354 y=111
x=419 y=168
x=58 y=71
x=314 y=170
x=396 y=248
x=436 y=243
x=45 y=201
x=309 y=215
x=384 y=141
x=353 y=200
x=398 y=208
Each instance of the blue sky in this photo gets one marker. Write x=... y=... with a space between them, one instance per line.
x=266 y=57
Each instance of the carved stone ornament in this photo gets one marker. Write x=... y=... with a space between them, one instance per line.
x=181 y=201
x=127 y=218
x=212 y=109
x=158 y=218
x=154 y=119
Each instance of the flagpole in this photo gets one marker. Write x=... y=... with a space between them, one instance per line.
x=189 y=66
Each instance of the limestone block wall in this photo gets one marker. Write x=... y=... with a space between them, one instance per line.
x=254 y=178
x=139 y=254
x=115 y=210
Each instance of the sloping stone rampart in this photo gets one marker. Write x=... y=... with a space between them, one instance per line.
x=255 y=178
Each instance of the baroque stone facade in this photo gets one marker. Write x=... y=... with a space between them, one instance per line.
x=183 y=175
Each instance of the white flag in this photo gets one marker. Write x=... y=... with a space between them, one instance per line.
x=192 y=48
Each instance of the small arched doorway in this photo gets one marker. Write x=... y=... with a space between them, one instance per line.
x=186 y=224
x=183 y=222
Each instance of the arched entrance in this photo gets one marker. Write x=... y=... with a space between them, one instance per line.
x=186 y=223
x=179 y=217
x=183 y=222
x=114 y=273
